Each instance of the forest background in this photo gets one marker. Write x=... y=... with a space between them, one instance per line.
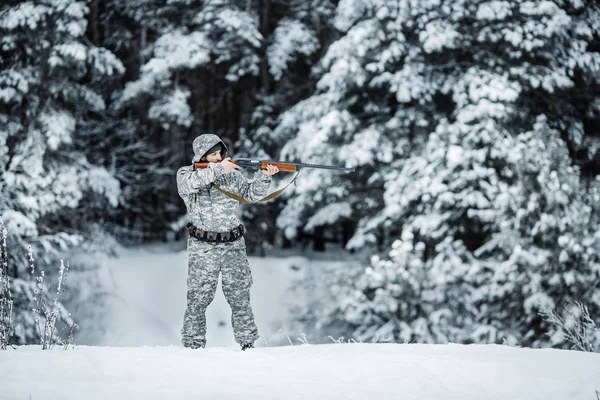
x=473 y=127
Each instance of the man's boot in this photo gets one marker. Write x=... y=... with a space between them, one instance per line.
x=247 y=346
x=193 y=344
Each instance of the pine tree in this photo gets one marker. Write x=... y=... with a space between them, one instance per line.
x=344 y=123
x=49 y=80
x=195 y=58
x=484 y=216
x=295 y=33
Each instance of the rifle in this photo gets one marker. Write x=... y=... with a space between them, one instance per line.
x=283 y=166
x=262 y=164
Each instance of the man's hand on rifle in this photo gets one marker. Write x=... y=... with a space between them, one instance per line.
x=228 y=166
x=271 y=170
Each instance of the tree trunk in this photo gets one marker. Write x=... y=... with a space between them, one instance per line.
x=319 y=239
x=94 y=34
x=347 y=231
x=235 y=113
x=264 y=11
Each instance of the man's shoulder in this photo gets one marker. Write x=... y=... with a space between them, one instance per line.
x=184 y=169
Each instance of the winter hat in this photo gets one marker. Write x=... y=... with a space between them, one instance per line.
x=207 y=144
x=215 y=148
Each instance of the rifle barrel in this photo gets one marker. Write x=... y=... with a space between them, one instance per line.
x=246 y=162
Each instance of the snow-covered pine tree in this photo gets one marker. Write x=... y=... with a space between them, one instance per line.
x=489 y=221
x=195 y=58
x=352 y=119
x=51 y=194
x=492 y=233
x=293 y=37
x=295 y=33
x=135 y=155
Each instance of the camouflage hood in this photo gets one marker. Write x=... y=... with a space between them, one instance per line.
x=203 y=143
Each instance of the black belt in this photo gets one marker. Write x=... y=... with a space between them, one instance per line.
x=216 y=237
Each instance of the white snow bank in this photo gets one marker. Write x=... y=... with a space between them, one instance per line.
x=334 y=371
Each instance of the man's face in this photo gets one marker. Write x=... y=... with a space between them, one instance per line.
x=214 y=157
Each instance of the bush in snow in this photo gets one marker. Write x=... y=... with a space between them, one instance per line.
x=47 y=310
x=6 y=301
x=576 y=327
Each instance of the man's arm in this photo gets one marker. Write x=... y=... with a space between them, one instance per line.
x=254 y=189
x=190 y=181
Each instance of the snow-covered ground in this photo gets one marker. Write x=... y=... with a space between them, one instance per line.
x=149 y=285
x=328 y=371
x=140 y=357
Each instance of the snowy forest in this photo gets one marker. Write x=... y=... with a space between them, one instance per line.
x=473 y=128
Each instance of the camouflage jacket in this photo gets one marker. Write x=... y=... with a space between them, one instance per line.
x=207 y=208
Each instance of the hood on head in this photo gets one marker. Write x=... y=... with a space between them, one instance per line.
x=203 y=143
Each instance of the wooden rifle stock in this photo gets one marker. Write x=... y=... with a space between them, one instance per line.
x=263 y=165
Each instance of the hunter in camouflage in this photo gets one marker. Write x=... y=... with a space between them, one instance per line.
x=211 y=211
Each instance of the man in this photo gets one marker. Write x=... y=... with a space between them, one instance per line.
x=216 y=243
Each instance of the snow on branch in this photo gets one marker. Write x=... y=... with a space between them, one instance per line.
x=59 y=127
x=14 y=85
x=576 y=327
x=172 y=108
x=173 y=50
x=291 y=39
x=329 y=215
x=26 y=15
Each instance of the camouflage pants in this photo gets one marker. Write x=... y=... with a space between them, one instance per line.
x=205 y=262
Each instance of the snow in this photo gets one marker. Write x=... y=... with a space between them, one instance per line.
x=100 y=181
x=140 y=356
x=150 y=288
x=408 y=84
x=494 y=10
x=172 y=51
x=333 y=371
x=539 y=8
x=339 y=73
x=173 y=107
x=290 y=38
x=104 y=62
x=348 y=12
x=183 y=50
x=75 y=52
x=438 y=36
x=13 y=85
x=59 y=127
x=364 y=148
x=25 y=15
x=329 y=214
x=242 y=24
x=17 y=223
